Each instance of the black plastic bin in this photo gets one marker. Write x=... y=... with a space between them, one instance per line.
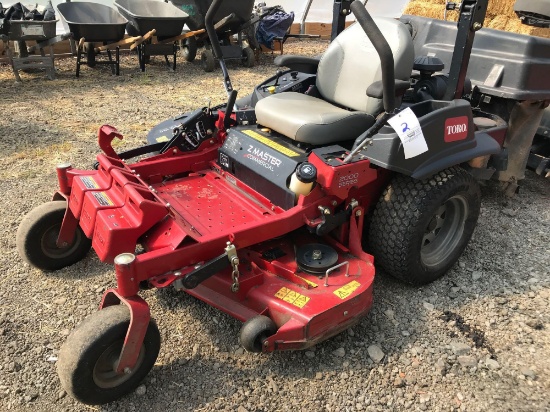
x=93 y=21
x=146 y=15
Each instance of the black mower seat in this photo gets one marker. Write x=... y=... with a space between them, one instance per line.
x=348 y=67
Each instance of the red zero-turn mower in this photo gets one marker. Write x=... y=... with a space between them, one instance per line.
x=258 y=207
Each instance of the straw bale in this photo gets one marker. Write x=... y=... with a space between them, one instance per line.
x=498 y=23
x=501 y=7
x=500 y=15
x=425 y=9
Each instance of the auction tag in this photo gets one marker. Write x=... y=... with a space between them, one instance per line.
x=408 y=129
x=32 y=30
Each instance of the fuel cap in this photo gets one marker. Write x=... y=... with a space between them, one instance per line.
x=306 y=172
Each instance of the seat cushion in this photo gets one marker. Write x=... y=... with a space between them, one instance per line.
x=310 y=120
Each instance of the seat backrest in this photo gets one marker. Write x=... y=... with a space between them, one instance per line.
x=351 y=64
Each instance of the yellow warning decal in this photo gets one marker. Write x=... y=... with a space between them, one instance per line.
x=103 y=199
x=89 y=182
x=292 y=297
x=347 y=290
x=162 y=139
x=309 y=282
x=271 y=143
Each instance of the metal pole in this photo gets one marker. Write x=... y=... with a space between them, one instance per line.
x=304 y=17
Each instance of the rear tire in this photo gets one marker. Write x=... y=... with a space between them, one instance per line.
x=421 y=227
x=249 y=58
x=37 y=235
x=88 y=357
x=208 y=61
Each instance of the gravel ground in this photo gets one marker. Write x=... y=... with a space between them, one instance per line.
x=478 y=339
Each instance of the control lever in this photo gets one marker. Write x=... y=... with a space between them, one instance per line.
x=278 y=74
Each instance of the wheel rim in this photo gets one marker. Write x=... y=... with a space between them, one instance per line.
x=49 y=246
x=444 y=231
x=104 y=373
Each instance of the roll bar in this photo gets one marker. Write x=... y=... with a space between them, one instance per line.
x=215 y=42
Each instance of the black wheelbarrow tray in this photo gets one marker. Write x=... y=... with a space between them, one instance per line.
x=146 y=15
x=93 y=22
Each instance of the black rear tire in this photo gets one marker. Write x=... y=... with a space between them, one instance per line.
x=37 y=235
x=254 y=331
x=87 y=358
x=421 y=227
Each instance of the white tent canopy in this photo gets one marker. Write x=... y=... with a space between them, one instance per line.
x=321 y=10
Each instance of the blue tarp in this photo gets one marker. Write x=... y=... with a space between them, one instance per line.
x=272 y=26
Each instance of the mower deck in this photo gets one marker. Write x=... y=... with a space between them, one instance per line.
x=303 y=308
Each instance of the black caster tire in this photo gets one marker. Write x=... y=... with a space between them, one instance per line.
x=189 y=48
x=254 y=331
x=37 y=235
x=421 y=227
x=249 y=58
x=208 y=61
x=87 y=358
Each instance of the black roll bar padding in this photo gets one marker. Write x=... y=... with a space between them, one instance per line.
x=215 y=42
x=229 y=109
x=209 y=25
x=383 y=49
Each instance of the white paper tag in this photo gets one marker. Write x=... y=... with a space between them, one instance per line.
x=32 y=30
x=408 y=129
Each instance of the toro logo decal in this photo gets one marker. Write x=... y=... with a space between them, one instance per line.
x=456 y=128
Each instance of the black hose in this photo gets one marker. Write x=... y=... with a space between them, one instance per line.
x=383 y=49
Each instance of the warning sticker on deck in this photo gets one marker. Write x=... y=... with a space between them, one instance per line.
x=268 y=142
x=89 y=182
x=347 y=290
x=162 y=139
x=292 y=297
x=103 y=199
x=309 y=282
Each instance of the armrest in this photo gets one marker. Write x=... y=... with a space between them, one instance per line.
x=376 y=89
x=299 y=63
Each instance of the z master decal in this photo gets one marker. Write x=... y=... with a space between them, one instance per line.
x=262 y=158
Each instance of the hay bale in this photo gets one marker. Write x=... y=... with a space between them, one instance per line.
x=500 y=15
x=497 y=23
x=516 y=26
x=427 y=9
x=501 y=7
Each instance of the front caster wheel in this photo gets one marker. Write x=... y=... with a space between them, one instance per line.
x=88 y=358
x=254 y=332
x=421 y=227
x=37 y=236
